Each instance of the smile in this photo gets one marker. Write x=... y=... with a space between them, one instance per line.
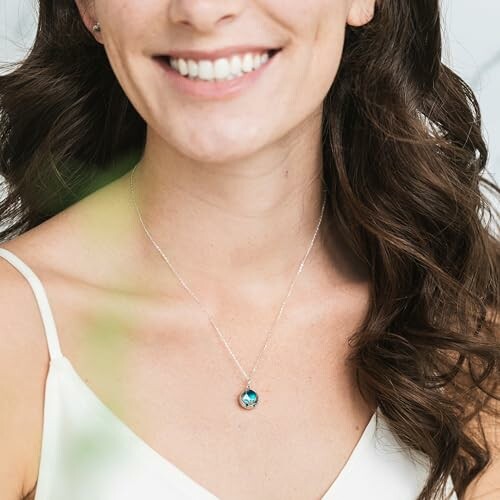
x=216 y=78
x=223 y=68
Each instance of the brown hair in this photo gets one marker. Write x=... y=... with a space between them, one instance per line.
x=404 y=161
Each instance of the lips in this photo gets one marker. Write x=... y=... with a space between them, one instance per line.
x=220 y=68
x=214 y=89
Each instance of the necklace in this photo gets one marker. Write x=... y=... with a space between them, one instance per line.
x=248 y=398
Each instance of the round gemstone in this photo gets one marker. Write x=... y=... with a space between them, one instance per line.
x=248 y=399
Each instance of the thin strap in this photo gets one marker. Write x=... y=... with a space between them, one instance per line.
x=42 y=300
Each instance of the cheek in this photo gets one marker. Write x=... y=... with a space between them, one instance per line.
x=327 y=40
x=127 y=25
x=318 y=46
x=317 y=30
x=125 y=36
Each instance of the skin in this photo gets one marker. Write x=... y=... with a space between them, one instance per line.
x=231 y=190
x=248 y=175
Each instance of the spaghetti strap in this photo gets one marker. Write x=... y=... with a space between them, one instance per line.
x=42 y=300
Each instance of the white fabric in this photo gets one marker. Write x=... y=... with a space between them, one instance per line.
x=88 y=453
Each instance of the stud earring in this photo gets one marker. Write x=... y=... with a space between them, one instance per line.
x=97 y=27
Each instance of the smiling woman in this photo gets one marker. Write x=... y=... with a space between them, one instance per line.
x=314 y=171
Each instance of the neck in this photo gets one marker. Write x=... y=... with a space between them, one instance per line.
x=243 y=221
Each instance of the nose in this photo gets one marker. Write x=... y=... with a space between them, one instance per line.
x=204 y=15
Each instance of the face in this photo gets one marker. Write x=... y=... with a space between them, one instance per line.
x=222 y=119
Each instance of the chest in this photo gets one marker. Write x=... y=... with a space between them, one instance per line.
x=176 y=391
x=292 y=454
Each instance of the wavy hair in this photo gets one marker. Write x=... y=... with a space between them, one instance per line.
x=404 y=163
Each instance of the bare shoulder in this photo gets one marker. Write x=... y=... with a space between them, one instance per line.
x=59 y=252
x=23 y=368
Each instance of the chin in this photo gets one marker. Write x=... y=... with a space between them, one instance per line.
x=219 y=154
x=214 y=148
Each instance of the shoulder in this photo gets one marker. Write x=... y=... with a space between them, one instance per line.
x=69 y=253
x=47 y=250
x=21 y=329
x=23 y=369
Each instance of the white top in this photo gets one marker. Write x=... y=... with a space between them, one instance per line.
x=89 y=453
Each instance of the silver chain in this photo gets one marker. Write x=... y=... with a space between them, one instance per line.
x=248 y=377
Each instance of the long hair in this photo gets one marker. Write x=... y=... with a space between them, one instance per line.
x=404 y=163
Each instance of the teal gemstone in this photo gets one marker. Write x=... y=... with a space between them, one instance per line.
x=248 y=399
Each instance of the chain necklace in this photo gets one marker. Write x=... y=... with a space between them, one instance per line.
x=247 y=399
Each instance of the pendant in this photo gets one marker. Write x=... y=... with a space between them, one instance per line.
x=248 y=399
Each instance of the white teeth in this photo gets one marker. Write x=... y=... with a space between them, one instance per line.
x=247 y=63
x=192 y=68
x=256 y=61
x=220 y=69
x=183 y=67
x=236 y=65
x=206 y=70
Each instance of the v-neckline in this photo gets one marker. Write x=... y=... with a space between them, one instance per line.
x=368 y=432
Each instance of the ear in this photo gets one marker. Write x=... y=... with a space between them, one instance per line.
x=87 y=13
x=361 y=12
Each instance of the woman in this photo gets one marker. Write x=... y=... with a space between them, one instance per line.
x=253 y=234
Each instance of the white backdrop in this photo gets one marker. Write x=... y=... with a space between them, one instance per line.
x=472 y=48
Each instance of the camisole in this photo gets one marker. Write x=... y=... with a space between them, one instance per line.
x=89 y=453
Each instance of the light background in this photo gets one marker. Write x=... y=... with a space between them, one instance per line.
x=471 y=39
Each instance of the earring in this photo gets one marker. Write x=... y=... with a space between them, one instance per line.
x=96 y=27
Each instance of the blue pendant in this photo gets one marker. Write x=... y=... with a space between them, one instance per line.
x=248 y=399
